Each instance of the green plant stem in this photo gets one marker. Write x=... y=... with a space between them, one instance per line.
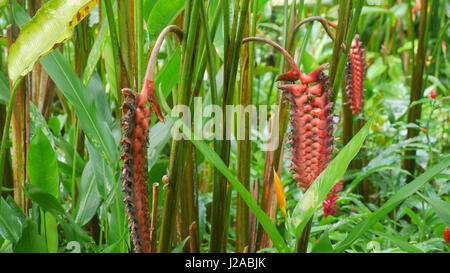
x=115 y=46
x=343 y=20
x=139 y=34
x=209 y=51
x=414 y=112
x=126 y=42
x=244 y=148
x=343 y=58
x=218 y=231
x=177 y=152
x=5 y=134
x=302 y=243
x=308 y=33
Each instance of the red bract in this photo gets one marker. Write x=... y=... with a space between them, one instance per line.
x=135 y=125
x=433 y=94
x=355 y=70
x=311 y=126
x=447 y=234
x=329 y=205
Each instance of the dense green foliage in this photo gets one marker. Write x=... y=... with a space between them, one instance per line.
x=61 y=188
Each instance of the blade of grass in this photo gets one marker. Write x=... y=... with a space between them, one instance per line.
x=395 y=200
x=214 y=159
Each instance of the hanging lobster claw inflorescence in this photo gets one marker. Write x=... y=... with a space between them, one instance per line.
x=137 y=110
x=311 y=122
x=355 y=71
x=135 y=125
x=311 y=118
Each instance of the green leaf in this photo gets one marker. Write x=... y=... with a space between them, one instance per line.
x=4 y=89
x=108 y=57
x=65 y=78
x=404 y=245
x=413 y=215
x=170 y=70
x=49 y=231
x=396 y=199
x=159 y=134
x=88 y=197
x=37 y=122
x=96 y=52
x=17 y=211
x=49 y=27
x=42 y=166
x=441 y=208
x=45 y=200
x=93 y=124
x=10 y=226
x=103 y=173
x=162 y=14
x=326 y=180
x=215 y=159
x=323 y=245
x=30 y=242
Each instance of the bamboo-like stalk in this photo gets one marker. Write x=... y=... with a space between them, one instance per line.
x=343 y=19
x=218 y=214
x=154 y=218
x=208 y=54
x=7 y=168
x=193 y=233
x=244 y=148
x=302 y=243
x=273 y=157
x=139 y=42
x=218 y=230
x=126 y=42
x=115 y=49
x=252 y=218
x=177 y=151
x=414 y=113
x=17 y=106
x=189 y=200
x=343 y=58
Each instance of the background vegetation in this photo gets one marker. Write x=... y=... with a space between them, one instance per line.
x=60 y=179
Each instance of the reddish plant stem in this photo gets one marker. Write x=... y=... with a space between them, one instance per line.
x=153 y=224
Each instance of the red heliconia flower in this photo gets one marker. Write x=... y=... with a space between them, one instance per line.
x=329 y=205
x=355 y=71
x=135 y=126
x=433 y=94
x=311 y=126
x=447 y=234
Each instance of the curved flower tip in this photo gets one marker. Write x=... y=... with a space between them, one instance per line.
x=290 y=76
x=294 y=89
x=148 y=93
x=313 y=76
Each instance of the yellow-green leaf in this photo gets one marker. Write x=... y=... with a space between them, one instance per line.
x=281 y=197
x=46 y=30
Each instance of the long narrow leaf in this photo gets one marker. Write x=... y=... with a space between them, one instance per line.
x=396 y=199
x=326 y=181
x=214 y=159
